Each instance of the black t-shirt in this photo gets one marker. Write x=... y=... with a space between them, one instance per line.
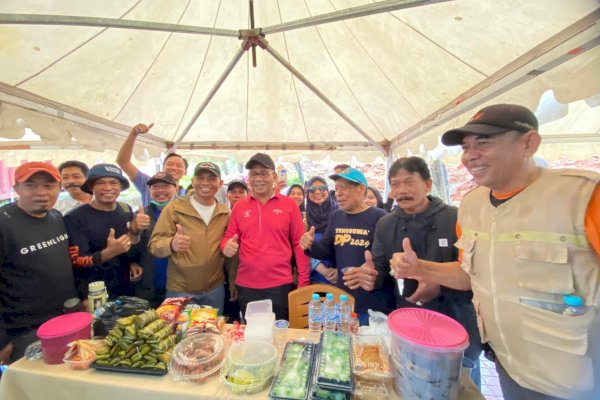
x=88 y=232
x=36 y=276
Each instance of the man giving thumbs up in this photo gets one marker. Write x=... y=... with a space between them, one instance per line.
x=188 y=232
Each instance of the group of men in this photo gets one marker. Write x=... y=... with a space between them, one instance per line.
x=524 y=233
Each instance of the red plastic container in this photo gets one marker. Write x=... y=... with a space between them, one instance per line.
x=57 y=332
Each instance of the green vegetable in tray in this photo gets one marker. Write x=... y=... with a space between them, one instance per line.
x=292 y=379
x=322 y=394
x=334 y=362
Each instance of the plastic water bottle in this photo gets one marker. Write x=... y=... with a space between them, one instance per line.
x=345 y=311
x=574 y=305
x=315 y=314
x=555 y=307
x=329 y=317
x=354 y=324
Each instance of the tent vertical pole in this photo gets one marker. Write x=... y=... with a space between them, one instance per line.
x=389 y=160
x=320 y=94
x=212 y=93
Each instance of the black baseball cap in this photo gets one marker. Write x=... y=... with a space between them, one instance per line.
x=493 y=120
x=237 y=183
x=104 y=171
x=207 y=166
x=262 y=159
x=162 y=177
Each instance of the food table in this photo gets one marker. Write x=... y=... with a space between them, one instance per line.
x=33 y=380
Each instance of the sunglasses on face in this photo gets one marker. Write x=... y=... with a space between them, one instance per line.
x=313 y=189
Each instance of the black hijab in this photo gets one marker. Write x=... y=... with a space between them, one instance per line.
x=317 y=215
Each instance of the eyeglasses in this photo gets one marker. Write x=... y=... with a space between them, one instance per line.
x=313 y=189
x=262 y=174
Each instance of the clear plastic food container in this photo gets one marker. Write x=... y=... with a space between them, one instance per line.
x=365 y=389
x=371 y=358
x=197 y=357
x=334 y=370
x=78 y=364
x=294 y=373
x=317 y=393
x=249 y=366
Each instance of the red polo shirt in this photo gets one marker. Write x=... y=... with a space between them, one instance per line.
x=266 y=234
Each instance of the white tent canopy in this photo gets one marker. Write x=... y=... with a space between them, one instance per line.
x=352 y=75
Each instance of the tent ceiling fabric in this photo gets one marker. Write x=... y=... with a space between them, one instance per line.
x=387 y=72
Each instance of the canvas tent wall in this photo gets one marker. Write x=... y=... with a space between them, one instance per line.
x=394 y=76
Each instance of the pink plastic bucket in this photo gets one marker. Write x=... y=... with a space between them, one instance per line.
x=57 y=332
x=427 y=350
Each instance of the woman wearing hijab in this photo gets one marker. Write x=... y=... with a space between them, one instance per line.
x=374 y=198
x=319 y=206
x=296 y=192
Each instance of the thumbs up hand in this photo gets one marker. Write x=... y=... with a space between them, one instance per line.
x=181 y=241
x=141 y=221
x=404 y=264
x=232 y=246
x=362 y=277
x=307 y=239
x=116 y=246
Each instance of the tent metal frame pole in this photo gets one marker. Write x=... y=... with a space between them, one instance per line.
x=238 y=55
x=47 y=19
x=354 y=12
x=319 y=94
x=464 y=102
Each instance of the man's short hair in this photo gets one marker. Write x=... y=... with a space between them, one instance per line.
x=341 y=167
x=185 y=162
x=411 y=164
x=74 y=163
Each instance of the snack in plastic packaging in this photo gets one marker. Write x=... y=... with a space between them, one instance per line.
x=197 y=319
x=171 y=307
x=371 y=359
x=235 y=332
x=82 y=353
x=365 y=389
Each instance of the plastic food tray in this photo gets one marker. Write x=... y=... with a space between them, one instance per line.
x=371 y=359
x=371 y=389
x=295 y=372
x=317 y=393
x=79 y=365
x=129 y=370
x=197 y=357
x=334 y=367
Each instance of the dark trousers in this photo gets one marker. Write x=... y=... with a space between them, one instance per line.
x=20 y=344
x=277 y=294
x=231 y=309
